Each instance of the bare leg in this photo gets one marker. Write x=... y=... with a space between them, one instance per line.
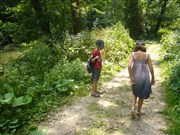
x=133 y=111
x=134 y=98
x=94 y=86
x=140 y=102
x=94 y=89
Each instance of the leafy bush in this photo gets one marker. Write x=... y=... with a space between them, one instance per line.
x=118 y=43
x=18 y=85
x=162 y=32
x=171 y=47
x=32 y=77
x=79 y=46
x=65 y=77
x=40 y=55
x=171 y=44
x=44 y=75
x=172 y=84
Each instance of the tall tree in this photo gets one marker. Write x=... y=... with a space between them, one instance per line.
x=161 y=15
x=76 y=16
x=133 y=18
x=41 y=15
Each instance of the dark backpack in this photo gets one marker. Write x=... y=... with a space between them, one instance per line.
x=89 y=65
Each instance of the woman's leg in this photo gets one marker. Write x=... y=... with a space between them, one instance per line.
x=134 y=98
x=133 y=111
x=140 y=102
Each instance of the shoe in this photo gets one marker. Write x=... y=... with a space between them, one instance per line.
x=100 y=93
x=139 y=114
x=133 y=112
x=94 y=94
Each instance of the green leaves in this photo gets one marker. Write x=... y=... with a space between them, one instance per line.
x=41 y=79
x=8 y=87
x=7 y=98
x=23 y=100
x=170 y=42
x=39 y=131
x=64 y=78
x=10 y=99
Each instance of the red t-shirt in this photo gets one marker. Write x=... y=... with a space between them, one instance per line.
x=98 y=62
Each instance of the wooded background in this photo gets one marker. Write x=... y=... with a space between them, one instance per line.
x=26 y=20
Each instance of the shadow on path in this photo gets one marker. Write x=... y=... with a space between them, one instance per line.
x=110 y=114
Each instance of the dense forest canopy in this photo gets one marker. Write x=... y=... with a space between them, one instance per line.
x=26 y=20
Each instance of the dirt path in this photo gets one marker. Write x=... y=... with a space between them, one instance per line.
x=110 y=114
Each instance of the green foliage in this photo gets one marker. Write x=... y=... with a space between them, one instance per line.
x=79 y=46
x=115 y=11
x=40 y=55
x=44 y=76
x=32 y=77
x=162 y=31
x=171 y=45
x=118 y=43
x=20 y=22
x=59 y=13
x=94 y=13
x=39 y=131
x=171 y=19
x=171 y=48
x=66 y=77
x=24 y=27
x=20 y=85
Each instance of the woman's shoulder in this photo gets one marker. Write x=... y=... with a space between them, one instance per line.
x=143 y=53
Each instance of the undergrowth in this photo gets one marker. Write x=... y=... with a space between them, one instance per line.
x=47 y=77
x=171 y=72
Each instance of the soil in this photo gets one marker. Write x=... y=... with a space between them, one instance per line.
x=110 y=114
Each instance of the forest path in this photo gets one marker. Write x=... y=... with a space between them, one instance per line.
x=110 y=114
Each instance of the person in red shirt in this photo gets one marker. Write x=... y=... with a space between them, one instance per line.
x=97 y=60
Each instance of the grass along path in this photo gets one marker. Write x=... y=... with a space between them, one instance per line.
x=110 y=114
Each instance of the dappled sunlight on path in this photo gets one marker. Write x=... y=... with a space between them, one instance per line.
x=110 y=114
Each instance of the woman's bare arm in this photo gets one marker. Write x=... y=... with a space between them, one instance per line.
x=151 y=70
x=130 y=65
x=130 y=69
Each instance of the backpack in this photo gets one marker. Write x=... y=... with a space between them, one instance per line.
x=89 y=65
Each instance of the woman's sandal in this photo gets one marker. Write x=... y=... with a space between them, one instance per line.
x=133 y=112
x=139 y=114
x=100 y=93
x=94 y=94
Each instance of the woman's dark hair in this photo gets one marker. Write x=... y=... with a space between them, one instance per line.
x=140 y=42
x=139 y=48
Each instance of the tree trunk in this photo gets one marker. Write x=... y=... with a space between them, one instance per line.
x=76 y=16
x=133 y=19
x=43 y=19
x=161 y=15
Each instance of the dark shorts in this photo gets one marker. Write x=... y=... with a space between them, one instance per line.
x=96 y=74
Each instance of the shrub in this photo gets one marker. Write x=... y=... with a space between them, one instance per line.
x=45 y=74
x=65 y=77
x=171 y=47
